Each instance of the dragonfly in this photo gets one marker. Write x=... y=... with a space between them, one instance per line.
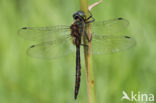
x=108 y=36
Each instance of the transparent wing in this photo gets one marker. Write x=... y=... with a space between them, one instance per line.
x=116 y=26
x=51 y=49
x=44 y=33
x=109 y=44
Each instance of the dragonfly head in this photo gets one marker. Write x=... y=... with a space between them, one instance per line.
x=79 y=15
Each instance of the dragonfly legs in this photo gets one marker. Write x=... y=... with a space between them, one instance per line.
x=89 y=40
x=89 y=21
x=84 y=45
x=90 y=17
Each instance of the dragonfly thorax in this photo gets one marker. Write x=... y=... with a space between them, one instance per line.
x=76 y=32
x=77 y=27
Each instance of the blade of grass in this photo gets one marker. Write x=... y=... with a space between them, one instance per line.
x=88 y=57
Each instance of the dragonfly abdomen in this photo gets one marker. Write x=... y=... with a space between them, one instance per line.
x=76 y=32
x=78 y=71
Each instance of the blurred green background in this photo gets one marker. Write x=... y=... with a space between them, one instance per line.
x=24 y=79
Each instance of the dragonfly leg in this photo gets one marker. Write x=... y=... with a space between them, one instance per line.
x=89 y=40
x=91 y=16
x=84 y=45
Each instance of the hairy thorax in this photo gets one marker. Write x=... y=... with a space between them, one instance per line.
x=76 y=32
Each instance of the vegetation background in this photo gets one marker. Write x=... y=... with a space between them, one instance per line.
x=27 y=80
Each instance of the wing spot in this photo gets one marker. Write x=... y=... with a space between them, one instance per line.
x=120 y=18
x=127 y=37
x=24 y=28
x=32 y=46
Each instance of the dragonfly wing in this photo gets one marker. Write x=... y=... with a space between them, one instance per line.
x=116 y=26
x=51 y=49
x=102 y=44
x=43 y=33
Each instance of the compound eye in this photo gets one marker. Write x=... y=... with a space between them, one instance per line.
x=79 y=14
x=75 y=16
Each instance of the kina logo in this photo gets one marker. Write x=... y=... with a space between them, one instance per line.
x=140 y=97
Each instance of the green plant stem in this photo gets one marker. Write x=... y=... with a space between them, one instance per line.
x=88 y=57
